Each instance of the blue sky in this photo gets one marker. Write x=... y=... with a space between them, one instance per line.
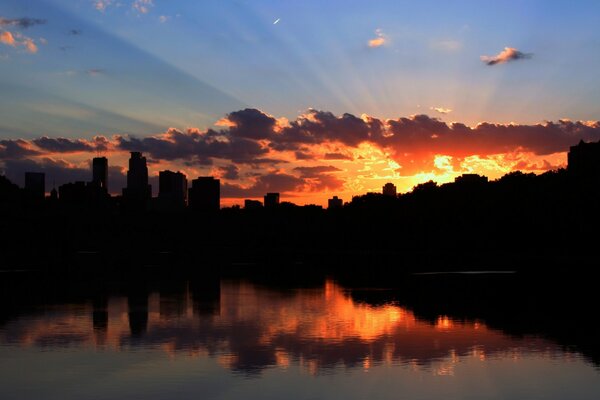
x=188 y=63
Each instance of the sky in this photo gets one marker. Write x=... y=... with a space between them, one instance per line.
x=308 y=98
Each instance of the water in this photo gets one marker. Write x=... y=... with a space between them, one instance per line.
x=238 y=340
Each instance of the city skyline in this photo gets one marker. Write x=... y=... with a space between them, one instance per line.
x=306 y=99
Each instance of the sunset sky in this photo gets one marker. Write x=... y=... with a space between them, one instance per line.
x=308 y=98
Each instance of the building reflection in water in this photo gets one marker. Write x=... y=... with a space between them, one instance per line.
x=248 y=328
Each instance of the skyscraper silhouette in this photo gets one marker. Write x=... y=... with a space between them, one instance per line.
x=205 y=194
x=100 y=172
x=35 y=185
x=172 y=189
x=138 y=191
x=271 y=200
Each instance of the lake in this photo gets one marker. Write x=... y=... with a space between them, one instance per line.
x=235 y=339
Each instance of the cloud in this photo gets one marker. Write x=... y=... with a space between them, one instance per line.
x=311 y=172
x=254 y=148
x=197 y=147
x=14 y=149
x=21 y=22
x=75 y=32
x=506 y=55
x=7 y=38
x=379 y=40
x=163 y=18
x=142 y=6
x=64 y=145
x=230 y=172
x=17 y=39
x=102 y=5
x=337 y=156
x=441 y=110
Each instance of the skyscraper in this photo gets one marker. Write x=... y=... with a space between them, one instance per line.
x=389 y=189
x=138 y=191
x=35 y=185
x=172 y=189
x=100 y=172
x=271 y=200
x=205 y=194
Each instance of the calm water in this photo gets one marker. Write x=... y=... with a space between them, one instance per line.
x=242 y=341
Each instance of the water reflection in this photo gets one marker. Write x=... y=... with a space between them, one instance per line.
x=248 y=328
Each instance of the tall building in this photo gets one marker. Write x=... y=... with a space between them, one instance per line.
x=35 y=185
x=138 y=190
x=584 y=159
x=205 y=194
x=172 y=188
x=271 y=200
x=335 y=202
x=100 y=172
x=389 y=189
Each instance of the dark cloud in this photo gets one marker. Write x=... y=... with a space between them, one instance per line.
x=337 y=156
x=253 y=138
x=197 y=147
x=252 y=124
x=14 y=149
x=506 y=55
x=21 y=22
x=64 y=145
x=230 y=172
x=423 y=134
x=310 y=172
x=320 y=177
x=322 y=126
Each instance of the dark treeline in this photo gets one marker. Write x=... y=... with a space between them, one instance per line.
x=518 y=222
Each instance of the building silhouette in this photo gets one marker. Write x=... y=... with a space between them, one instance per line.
x=35 y=185
x=172 y=189
x=334 y=202
x=100 y=172
x=252 y=204
x=271 y=200
x=389 y=189
x=138 y=191
x=205 y=194
x=584 y=160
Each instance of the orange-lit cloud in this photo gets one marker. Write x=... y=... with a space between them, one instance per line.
x=7 y=38
x=16 y=39
x=379 y=40
x=506 y=55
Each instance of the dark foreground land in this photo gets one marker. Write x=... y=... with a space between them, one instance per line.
x=521 y=222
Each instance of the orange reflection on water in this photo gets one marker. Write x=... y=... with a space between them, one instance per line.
x=249 y=327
